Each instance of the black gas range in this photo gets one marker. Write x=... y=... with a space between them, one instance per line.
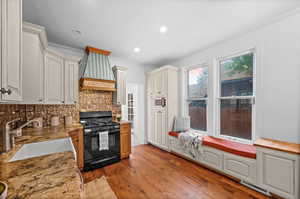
x=94 y=124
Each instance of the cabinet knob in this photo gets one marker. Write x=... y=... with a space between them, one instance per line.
x=40 y=100
x=75 y=102
x=62 y=101
x=3 y=91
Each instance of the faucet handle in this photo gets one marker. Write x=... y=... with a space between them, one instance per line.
x=7 y=125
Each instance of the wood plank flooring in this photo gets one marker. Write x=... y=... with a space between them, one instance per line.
x=151 y=173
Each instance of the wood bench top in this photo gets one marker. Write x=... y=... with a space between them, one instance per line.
x=278 y=145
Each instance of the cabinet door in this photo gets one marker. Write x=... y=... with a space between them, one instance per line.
x=33 y=65
x=151 y=127
x=121 y=87
x=125 y=137
x=279 y=172
x=160 y=129
x=71 y=82
x=54 y=76
x=213 y=158
x=11 y=27
x=240 y=167
x=160 y=83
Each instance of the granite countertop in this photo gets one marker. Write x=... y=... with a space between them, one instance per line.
x=50 y=176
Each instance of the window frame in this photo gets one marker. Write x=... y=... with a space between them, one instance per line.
x=188 y=100
x=218 y=97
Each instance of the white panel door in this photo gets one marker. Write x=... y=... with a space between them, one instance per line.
x=279 y=172
x=71 y=82
x=11 y=27
x=54 y=79
x=160 y=129
x=33 y=65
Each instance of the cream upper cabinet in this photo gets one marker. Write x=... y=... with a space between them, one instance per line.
x=71 y=82
x=119 y=97
x=160 y=83
x=11 y=50
x=33 y=63
x=54 y=79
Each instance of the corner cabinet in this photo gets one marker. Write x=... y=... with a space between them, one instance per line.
x=162 y=105
x=11 y=50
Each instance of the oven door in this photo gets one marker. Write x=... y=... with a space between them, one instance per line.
x=91 y=145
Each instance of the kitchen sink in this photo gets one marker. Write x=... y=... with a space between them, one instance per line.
x=43 y=148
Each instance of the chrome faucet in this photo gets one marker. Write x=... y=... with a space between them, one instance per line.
x=10 y=134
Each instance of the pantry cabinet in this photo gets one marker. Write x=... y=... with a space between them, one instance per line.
x=162 y=100
x=11 y=51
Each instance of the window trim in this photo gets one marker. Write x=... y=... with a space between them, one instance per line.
x=217 y=100
x=187 y=99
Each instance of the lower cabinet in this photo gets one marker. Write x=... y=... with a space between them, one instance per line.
x=279 y=172
x=77 y=139
x=213 y=158
x=240 y=167
x=125 y=140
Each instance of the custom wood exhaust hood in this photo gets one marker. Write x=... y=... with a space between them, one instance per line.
x=95 y=71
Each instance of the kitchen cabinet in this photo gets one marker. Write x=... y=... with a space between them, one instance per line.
x=54 y=79
x=11 y=50
x=119 y=96
x=279 y=172
x=34 y=42
x=162 y=105
x=48 y=76
x=240 y=167
x=125 y=140
x=71 y=82
x=213 y=158
x=77 y=140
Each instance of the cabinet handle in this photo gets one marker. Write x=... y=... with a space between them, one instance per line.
x=3 y=91
x=40 y=100
x=62 y=101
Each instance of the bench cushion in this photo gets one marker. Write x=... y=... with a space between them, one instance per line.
x=236 y=148
x=174 y=133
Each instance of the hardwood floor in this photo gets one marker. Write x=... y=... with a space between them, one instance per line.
x=155 y=174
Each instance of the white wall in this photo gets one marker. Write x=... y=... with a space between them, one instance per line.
x=278 y=75
x=136 y=74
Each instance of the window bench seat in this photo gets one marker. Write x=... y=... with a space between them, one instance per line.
x=240 y=149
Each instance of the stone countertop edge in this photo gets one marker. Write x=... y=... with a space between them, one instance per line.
x=54 y=175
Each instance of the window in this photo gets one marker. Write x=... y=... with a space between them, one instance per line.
x=131 y=110
x=197 y=89
x=236 y=96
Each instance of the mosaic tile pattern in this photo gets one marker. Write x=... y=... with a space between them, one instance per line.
x=88 y=101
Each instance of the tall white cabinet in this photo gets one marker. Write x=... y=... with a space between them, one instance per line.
x=119 y=97
x=162 y=100
x=11 y=50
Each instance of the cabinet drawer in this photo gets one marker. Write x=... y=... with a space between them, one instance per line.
x=242 y=168
x=213 y=158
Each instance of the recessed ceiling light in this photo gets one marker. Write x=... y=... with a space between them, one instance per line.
x=163 y=29
x=137 y=50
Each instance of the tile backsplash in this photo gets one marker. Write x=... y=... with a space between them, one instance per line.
x=88 y=101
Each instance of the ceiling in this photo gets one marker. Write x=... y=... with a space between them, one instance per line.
x=122 y=25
